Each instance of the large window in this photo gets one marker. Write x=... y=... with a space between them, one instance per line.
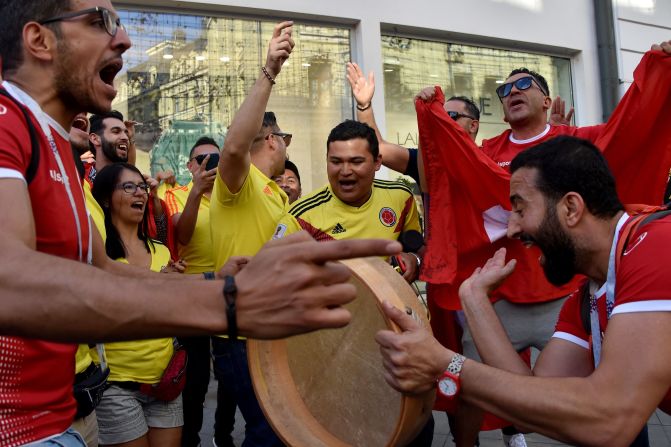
x=186 y=76
x=460 y=70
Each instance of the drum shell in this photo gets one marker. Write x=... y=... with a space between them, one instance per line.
x=327 y=388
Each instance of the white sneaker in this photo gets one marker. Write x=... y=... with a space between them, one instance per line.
x=516 y=440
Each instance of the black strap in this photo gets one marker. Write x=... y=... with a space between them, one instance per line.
x=34 y=145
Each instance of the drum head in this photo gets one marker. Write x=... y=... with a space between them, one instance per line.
x=327 y=388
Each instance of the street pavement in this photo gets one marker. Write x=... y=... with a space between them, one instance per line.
x=659 y=427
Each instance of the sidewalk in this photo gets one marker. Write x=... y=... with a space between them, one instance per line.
x=659 y=427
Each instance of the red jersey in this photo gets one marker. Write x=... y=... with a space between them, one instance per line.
x=640 y=284
x=528 y=284
x=36 y=376
x=503 y=148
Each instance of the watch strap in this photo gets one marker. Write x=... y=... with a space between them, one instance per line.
x=456 y=364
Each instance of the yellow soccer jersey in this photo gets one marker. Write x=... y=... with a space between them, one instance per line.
x=241 y=223
x=198 y=252
x=95 y=211
x=390 y=210
x=144 y=360
x=83 y=358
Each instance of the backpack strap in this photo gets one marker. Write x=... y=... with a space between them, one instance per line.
x=34 y=145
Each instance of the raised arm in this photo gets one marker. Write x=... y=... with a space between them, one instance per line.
x=235 y=158
x=394 y=156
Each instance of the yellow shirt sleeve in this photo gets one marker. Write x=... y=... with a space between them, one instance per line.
x=286 y=226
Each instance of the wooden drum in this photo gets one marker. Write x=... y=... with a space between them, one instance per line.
x=327 y=388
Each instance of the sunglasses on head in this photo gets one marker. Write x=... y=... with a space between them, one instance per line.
x=456 y=115
x=110 y=20
x=520 y=84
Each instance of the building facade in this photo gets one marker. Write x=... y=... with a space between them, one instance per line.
x=192 y=63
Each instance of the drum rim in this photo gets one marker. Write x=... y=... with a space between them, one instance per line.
x=367 y=271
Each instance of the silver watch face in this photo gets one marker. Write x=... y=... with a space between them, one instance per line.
x=447 y=386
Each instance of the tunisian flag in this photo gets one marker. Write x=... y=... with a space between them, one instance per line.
x=468 y=192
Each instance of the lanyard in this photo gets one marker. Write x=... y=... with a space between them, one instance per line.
x=43 y=120
x=610 y=294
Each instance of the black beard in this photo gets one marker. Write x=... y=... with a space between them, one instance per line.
x=558 y=250
x=109 y=150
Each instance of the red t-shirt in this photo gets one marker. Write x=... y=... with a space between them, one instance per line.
x=503 y=148
x=640 y=284
x=36 y=376
x=529 y=285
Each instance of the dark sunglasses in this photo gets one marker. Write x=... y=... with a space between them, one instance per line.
x=285 y=136
x=111 y=21
x=211 y=163
x=130 y=187
x=521 y=84
x=456 y=115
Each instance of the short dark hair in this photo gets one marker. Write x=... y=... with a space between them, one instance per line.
x=14 y=14
x=569 y=164
x=537 y=76
x=269 y=120
x=470 y=105
x=293 y=168
x=349 y=130
x=202 y=141
x=103 y=188
x=97 y=121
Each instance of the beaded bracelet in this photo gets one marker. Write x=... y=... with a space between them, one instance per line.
x=270 y=78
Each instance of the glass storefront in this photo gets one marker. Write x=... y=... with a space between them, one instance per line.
x=460 y=70
x=186 y=76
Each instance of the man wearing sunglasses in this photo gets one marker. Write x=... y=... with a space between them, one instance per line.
x=244 y=209
x=528 y=304
x=49 y=290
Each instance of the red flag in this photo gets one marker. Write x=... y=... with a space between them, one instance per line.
x=468 y=192
x=636 y=141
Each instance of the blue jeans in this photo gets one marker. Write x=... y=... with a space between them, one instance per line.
x=232 y=372
x=69 y=438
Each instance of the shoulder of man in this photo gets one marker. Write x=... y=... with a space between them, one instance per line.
x=15 y=142
x=393 y=187
x=311 y=202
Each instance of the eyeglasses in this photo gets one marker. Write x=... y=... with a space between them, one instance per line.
x=456 y=115
x=110 y=20
x=130 y=187
x=285 y=136
x=521 y=84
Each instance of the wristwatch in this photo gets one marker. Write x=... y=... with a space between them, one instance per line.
x=448 y=383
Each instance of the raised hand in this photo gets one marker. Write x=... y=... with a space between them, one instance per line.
x=279 y=48
x=203 y=180
x=363 y=87
x=488 y=277
x=426 y=94
x=558 y=116
x=664 y=46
